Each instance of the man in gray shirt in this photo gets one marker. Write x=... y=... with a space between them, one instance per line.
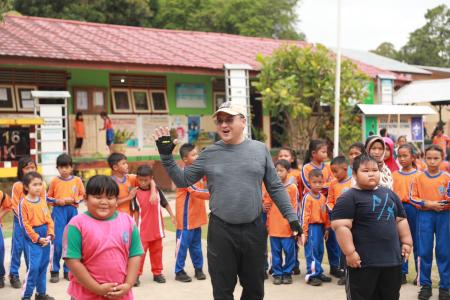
x=235 y=168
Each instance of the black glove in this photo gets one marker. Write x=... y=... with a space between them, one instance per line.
x=296 y=228
x=165 y=145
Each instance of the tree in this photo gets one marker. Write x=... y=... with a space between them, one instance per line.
x=6 y=6
x=430 y=44
x=296 y=82
x=386 y=49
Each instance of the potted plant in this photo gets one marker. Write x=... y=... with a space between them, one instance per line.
x=120 y=139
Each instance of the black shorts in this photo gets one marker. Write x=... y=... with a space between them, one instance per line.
x=78 y=143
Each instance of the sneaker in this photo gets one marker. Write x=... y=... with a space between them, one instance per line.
x=314 y=281
x=54 y=277
x=183 y=277
x=15 y=282
x=2 y=282
x=336 y=272
x=444 y=294
x=425 y=293
x=404 y=281
x=43 y=297
x=199 y=274
x=324 y=278
x=159 y=278
x=287 y=279
x=277 y=280
x=296 y=271
x=342 y=281
x=137 y=282
x=66 y=276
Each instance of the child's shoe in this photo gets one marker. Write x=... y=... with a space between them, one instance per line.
x=287 y=279
x=336 y=272
x=66 y=276
x=404 y=281
x=314 y=281
x=277 y=280
x=182 y=276
x=296 y=271
x=54 y=277
x=15 y=282
x=137 y=283
x=342 y=281
x=444 y=294
x=43 y=297
x=159 y=278
x=425 y=293
x=324 y=278
x=2 y=282
x=199 y=274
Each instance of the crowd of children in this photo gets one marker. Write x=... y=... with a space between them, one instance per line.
x=369 y=210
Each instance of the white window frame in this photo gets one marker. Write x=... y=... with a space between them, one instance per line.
x=13 y=95
x=149 y=110
x=19 y=99
x=165 y=99
x=113 y=98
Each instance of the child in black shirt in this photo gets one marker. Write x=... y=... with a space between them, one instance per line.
x=373 y=233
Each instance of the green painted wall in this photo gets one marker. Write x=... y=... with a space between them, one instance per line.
x=371 y=125
x=370 y=99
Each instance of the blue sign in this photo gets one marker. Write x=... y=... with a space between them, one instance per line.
x=416 y=129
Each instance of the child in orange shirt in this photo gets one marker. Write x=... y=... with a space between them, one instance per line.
x=79 y=133
x=316 y=226
x=403 y=179
x=281 y=237
x=431 y=194
x=65 y=192
x=5 y=207
x=38 y=228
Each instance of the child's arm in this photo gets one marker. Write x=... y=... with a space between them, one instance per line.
x=423 y=203
x=164 y=203
x=344 y=236
x=128 y=198
x=405 y=237
x=197 y=190
x=331 y=200
x=85 y=279
x=306 y=215
x=153 y=191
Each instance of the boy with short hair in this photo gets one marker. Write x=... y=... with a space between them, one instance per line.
x=65 y=192
x=5 y=207
x=372 y=231
x=190 y=215
x=148 y=216
x=316 y=226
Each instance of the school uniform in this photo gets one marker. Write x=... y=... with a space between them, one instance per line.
x=295 y=176
x=60 y=188
x=190 y=212
x=5 y=204
x=281 y=239
x=36 y=221
x=125 y=184
x=431 y=224
x=402 y=187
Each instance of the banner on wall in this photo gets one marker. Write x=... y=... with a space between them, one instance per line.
x=416 y=129
x=128 y=123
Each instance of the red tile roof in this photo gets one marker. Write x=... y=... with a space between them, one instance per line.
x=54 y=39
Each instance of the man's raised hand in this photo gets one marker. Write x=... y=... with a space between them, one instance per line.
x=164 y=141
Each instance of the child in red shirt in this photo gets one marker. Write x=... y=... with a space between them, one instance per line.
x=148 y=215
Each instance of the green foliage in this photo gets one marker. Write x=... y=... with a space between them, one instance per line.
x=294 y=82
x=6 y=6
x=122 y=136
x=386 y=49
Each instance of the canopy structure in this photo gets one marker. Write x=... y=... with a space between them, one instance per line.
x=387 y=109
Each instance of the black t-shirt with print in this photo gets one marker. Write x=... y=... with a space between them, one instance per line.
x=374 y=226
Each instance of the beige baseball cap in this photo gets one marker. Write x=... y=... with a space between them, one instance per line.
x=231 y=108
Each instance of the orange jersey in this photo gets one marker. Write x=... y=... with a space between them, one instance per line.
x=5 y=203
x=277 y=225
x=190 y=209
x=295 y=176
x=326 y=172
x=79 y=129
x=314 y=212
x=17 y=195
x=444 y=166
x=125 y=185
x=402 y=184
x=336 y=189
x=430 y=188
x=442 y=141
x=34 y=213
x=421 y=165
x=71 y=188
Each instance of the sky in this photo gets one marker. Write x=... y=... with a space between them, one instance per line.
x=364 y=23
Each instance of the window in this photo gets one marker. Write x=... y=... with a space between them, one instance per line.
x=89 y=100
x=159 y=101
x=141 y=101
x=7 y=101
x=219 y=98
x=121 y=100
x=23 y=96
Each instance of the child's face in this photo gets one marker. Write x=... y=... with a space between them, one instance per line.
x=405 y=157
x=433 y=159
x=316 y=183
x=35 y=187
x=376 y=151
x=320 y=154
x=31 y=167
x=368 y=175
x=354 y=152
x=339 y=171
x=286 y=155
x=387 y=153
x=101 y=206
x=65 y=171
x=144 y=182
x=282 y=172
x=191 y=157
x=121 y=167
x=401 y=141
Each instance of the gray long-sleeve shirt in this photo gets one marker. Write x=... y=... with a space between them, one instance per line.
x=234 y=174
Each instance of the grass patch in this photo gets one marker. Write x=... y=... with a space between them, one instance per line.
x=7 y=225
x=170 y=227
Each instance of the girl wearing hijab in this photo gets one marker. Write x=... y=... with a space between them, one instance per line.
x=389 y=159
x=376 y=148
